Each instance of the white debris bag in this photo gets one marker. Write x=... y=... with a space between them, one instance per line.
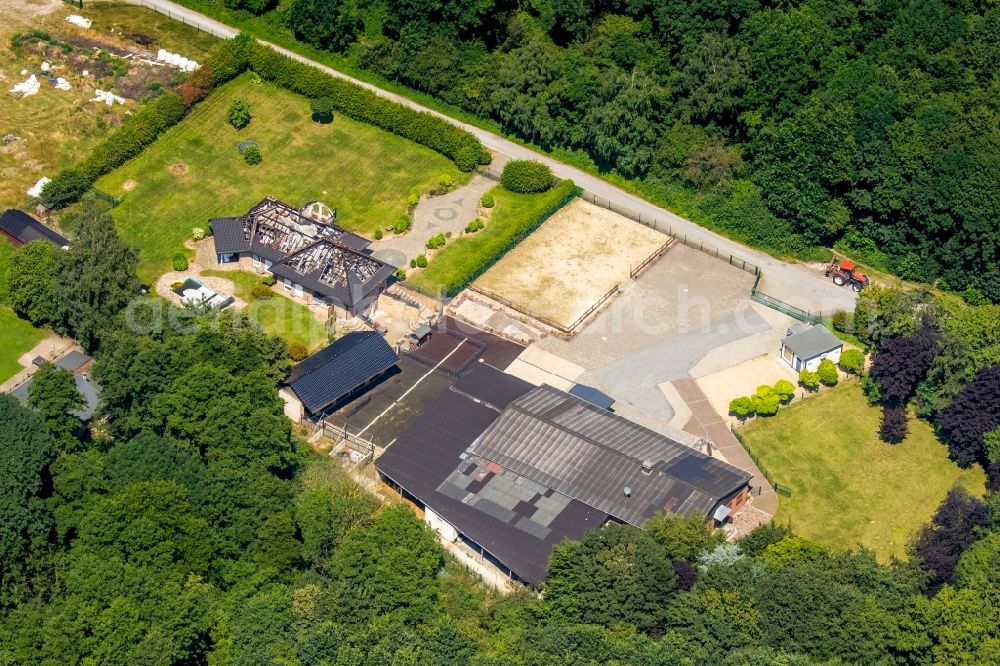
x=76 y=19
x=62 y=84
x=107 y=97
x=28 y=87
x=35 y=190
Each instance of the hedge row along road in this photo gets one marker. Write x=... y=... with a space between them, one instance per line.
x=799 y=285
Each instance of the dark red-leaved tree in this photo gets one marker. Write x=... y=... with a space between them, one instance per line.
x=894 y=424
x=974 y=412
x=953 y=529
x=900 y=363
x=687 y=574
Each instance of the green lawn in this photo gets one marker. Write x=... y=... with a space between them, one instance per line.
x=194 y=172
x=465 y=257
x=848 y=487
x=16 y=337
x=277 y=315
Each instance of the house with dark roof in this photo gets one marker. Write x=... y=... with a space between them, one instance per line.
x=512 y=469
x=336 y=373
x=21 y=228
x=806 y=346
x=314 y=259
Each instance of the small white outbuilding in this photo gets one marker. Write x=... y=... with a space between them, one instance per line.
x=805 y=346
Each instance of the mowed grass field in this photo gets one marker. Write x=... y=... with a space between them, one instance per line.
x=458 y=262
x=194 y=172
x=277 y=315
x=16 y=335
x=848 y=487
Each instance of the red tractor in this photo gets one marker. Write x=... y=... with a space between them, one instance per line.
x=845 y=272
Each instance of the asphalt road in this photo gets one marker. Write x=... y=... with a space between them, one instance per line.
x=800 y=285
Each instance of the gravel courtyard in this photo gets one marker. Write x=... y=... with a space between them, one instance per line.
x=683 y=308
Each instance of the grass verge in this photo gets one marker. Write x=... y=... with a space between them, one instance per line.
x=16 y=337
x=848 y=487
x=194 y=172
x=514 y=216
x=277 y=315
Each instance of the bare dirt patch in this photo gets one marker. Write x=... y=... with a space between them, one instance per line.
x=574 y=259
x=129 y=185
x=26 y=11
x=179 y=169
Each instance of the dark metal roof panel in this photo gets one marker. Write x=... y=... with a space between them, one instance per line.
x=229 y=236
x=491 y=386
x=25 y=228
x=344 y=365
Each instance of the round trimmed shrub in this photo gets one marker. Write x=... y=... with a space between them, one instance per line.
x=421 y=261
x=239 y=114
x=180 y=262
x=260 y=292
x=378 y=234
x=526 y=176
x=402 y=224
x=827 y=372
x=852 y=361
x=487 y=201
x=252 y=156
x=322 y=110
x=413 y=198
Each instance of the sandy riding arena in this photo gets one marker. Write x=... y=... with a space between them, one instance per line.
x=570 y=263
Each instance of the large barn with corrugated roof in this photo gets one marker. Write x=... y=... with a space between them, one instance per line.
x=513 y=469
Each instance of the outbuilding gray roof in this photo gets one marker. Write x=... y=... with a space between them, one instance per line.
x=592 y=455
x=813 y=342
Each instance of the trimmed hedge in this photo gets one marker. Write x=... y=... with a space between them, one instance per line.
x=526 y=176
x=362 y=104
x=226 y=61
x=460 y=262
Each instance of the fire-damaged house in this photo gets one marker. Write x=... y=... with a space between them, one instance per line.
x=314 y=259
x=512 y=469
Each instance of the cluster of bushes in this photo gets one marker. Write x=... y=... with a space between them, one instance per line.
x=764 y=402
x=239 y=114
x=366 y=106
x=825 y=374
x=436 y=241
x=526 y=176
x=474 y=226
x=419 y=262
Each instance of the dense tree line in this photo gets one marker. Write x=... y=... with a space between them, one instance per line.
x=940 y=356
x=870 y=125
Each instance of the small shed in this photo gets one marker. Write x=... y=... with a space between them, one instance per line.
x=21 y=228
x=341 y=370
x=804 y=347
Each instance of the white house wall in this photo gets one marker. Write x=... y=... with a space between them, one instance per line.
x=440 y=525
